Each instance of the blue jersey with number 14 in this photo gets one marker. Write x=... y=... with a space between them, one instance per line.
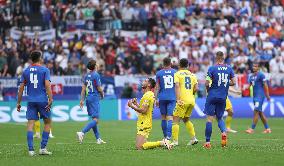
x=34 y=78
x=92 y=81
x=220 y=76
x=165 y=77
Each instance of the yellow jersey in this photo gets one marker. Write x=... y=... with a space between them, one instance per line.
x=186 y=81
x=145 y=120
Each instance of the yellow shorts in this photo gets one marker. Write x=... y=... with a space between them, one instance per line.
x=183 y=111
x=228 y=105
x=144 y=132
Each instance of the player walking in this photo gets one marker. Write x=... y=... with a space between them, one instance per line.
x=222 y=76
x=260 y=90
x=37 y=81
x=165 y=96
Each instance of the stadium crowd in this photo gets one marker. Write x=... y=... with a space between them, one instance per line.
x=246 y=31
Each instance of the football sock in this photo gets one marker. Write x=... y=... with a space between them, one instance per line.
x=150 y=145
x=44 y=140
x=253 y=126
x=164 y=127
x=175 y=131
x=37 y=126
x=266 y=126
x=208 y=131
x=190 y=128
x=169 y=129
x=96 y=131
x=30 y=140
x=89 y=125
x=221 y=125
x=228 y=121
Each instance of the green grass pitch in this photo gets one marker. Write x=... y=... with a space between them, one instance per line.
x=243 y=149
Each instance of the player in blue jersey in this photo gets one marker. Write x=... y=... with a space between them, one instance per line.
x=39 y=97
x=221 y=76
x=165 y=96
x=260 y=90
x=92 y=83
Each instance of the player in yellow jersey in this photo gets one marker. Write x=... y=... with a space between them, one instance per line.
x=144 y=122
x=37 y=130
x=186 y=85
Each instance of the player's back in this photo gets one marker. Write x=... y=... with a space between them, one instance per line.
x=187 y=81
x=92 y=81
x=257 y=81
x=34 y=78
x=220 y=76
x=165 y=77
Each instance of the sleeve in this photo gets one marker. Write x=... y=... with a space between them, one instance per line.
x=47 y=75
x=263 y=78
x=157 y=78
x=194 y=80
x=97 y=81
x=176 y=79
x=23 y=78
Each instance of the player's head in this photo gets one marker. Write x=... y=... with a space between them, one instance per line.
x=36 y=56
x=148 y=84
x=220 y=57
x=183 y=63
x=92 y=65
x=255 y=67
x=167 y=62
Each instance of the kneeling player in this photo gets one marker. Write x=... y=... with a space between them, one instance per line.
x=144 y=122
x=95 y=92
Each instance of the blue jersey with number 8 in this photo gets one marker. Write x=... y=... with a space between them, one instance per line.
x=34 y=78
x=220 y=76
x=165 y=78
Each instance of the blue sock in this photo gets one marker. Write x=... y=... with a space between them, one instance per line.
x=89 y=125
x=221 y=125
x=208 y=131
x=164 y=127
x=30 y=140
x=96 y=131
x=266 y=126
x=45 y=136
x=169 y=129
x=253 y=126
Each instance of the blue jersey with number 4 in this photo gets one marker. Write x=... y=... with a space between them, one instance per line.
x=92 y=81
x=220 y=76
x=257 y=81
x=34 y=78
x=165 y=77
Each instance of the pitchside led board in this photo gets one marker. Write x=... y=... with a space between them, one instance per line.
x=63 y=111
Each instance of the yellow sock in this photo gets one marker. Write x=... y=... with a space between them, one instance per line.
x=150 y=145
x=228 y=121
x=190 y=128
x=175 y=131
x=37 y=126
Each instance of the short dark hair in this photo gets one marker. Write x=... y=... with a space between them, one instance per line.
x=220 y=55
x=91 y=64
x=35 y=56
x=183 y=63
x=152 y=82
x=167 y=61
x=256 y=63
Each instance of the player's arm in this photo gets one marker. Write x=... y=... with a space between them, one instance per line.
x=265 y=86
x=232 y=78
x=157 y=89
x=20 y=94
x=49 y=94
x=207 y=83
x=233 y=90
x=83 y=94
x=144 y=109
x=101 y=91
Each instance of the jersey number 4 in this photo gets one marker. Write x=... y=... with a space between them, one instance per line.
x=223 y=78
x=168 y=81
x=33 y=79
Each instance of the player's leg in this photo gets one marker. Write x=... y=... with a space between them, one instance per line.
x=163 y=110
x=37 y=129
x=264 y=121
x=229 y=109
x=208 y=131
x=189 y=125
x=32 y=116
x=141 y=141
x=257 y=107
x=50 y=134
x=46 y=116
x=179 y=112
x=170 y=109
x=220 y=109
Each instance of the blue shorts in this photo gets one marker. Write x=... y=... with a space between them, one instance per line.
x=36 y=109
x=93 y=108
x=215 y=107
x=258 y=102
x=167 y=107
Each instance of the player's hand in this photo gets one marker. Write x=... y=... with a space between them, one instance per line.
x=134 y=101
x=102 y=96
x=180 y=102
x=81 y=103
x=268 y=98
x=19 y=107
x=48 y=107
x=129 y=103
x=157 y=103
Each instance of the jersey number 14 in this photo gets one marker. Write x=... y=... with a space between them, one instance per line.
x=223 y=78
